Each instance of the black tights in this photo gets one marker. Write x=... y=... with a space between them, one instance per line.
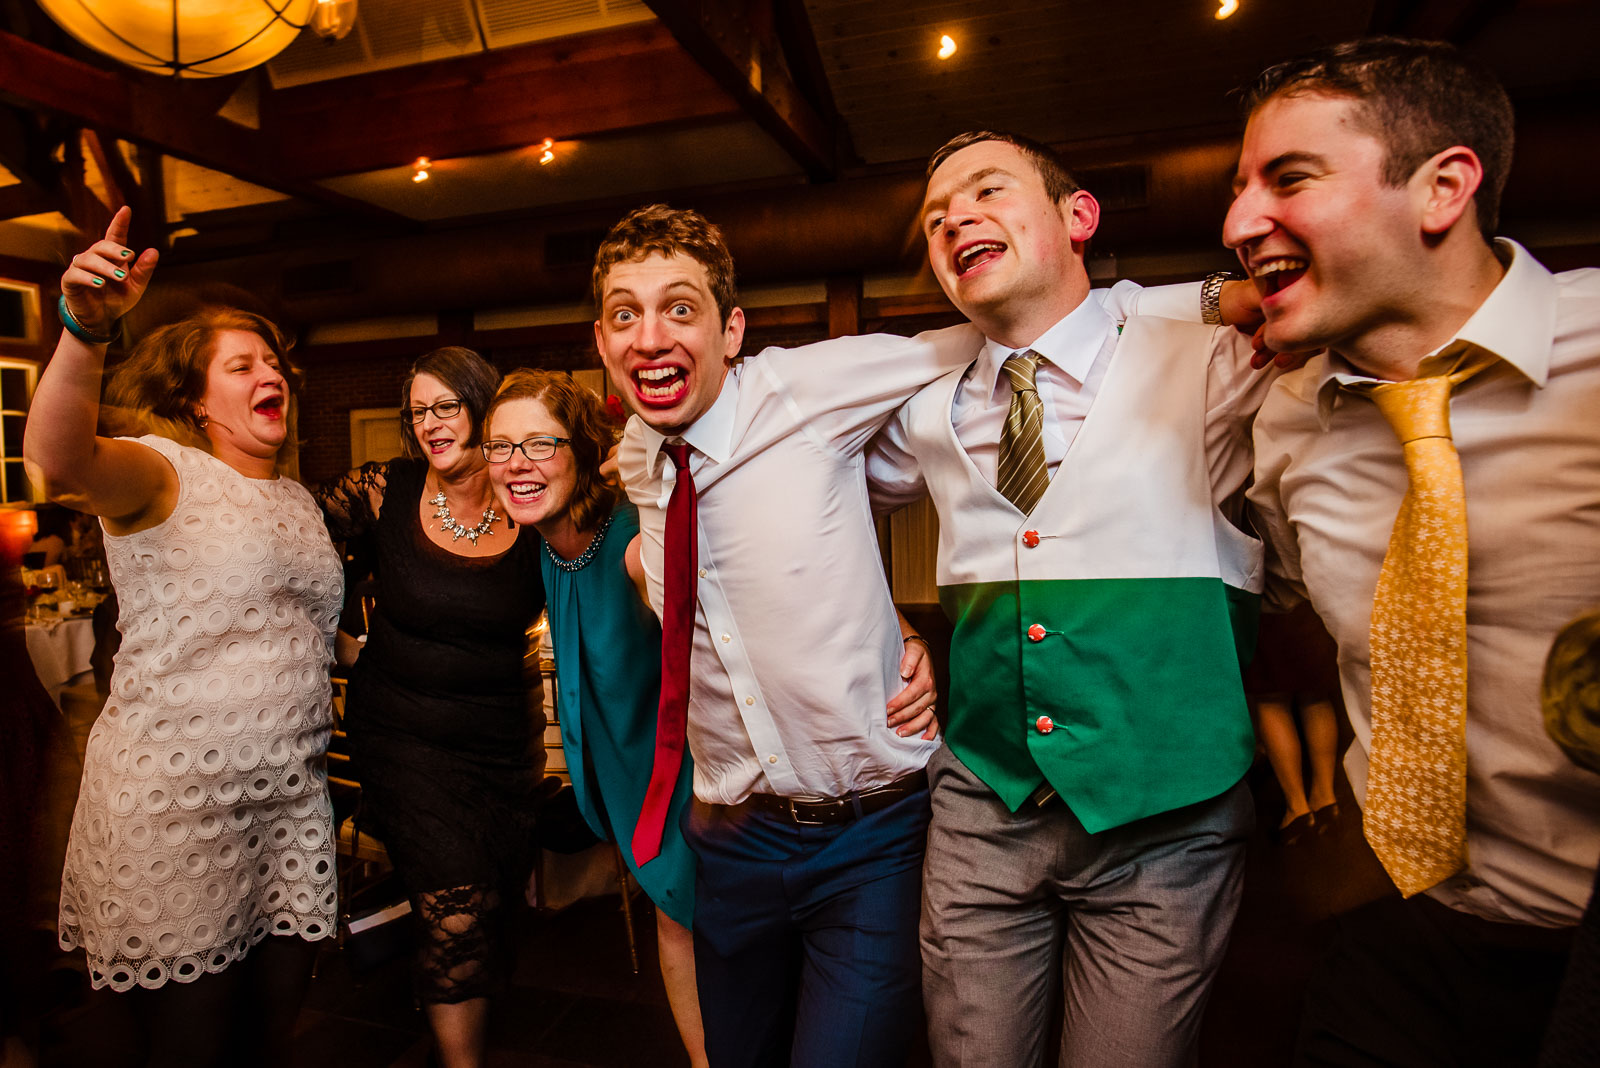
x=243 y=1015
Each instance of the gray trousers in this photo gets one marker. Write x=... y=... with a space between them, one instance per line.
x=1131 y=922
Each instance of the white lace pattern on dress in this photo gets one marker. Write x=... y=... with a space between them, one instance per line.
x=203 y=822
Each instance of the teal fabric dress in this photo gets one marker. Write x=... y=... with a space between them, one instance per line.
x=607 y=646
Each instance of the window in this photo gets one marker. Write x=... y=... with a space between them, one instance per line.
x=19 y=312
x=17 y=378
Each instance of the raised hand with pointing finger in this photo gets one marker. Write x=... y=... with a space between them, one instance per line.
x=104 y=282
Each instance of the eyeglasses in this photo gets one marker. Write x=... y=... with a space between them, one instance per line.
x=443 y=409
x=498 y=452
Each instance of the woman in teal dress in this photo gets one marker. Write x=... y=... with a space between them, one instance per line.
x=545 y=437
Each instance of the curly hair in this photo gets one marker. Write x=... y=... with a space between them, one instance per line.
x=589 y=428
x=463 y=372
x=668 y=232
x=1417 y=98
x=158 y=389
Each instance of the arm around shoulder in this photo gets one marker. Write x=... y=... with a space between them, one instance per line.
x=633 y=561
x=352 y=502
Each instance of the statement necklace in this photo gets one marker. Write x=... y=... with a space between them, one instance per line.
x=449 y=523
x=579 y=562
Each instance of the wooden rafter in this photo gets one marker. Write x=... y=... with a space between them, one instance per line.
x=737 y=44
x=609 y=82
x=24 y=199
x=157 y=113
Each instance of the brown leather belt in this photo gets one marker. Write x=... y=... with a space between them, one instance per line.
x=818 y=812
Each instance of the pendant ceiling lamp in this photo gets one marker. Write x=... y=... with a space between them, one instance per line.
x=186 y=38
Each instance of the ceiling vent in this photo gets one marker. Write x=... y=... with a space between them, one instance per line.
x=398 y=33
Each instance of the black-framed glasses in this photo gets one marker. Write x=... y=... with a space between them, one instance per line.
x=443 y=409
x=540 y=448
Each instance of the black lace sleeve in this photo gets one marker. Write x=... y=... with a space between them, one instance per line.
x=350 y=503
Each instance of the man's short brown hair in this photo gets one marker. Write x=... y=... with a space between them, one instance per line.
x=1417 y=98
x=669 y=232
x=1058 y=181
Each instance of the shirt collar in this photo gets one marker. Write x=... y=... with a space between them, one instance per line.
x=711 y=434
x=1516 y=322
x=1072 y=345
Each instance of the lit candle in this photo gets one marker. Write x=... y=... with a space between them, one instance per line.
x=17 y=527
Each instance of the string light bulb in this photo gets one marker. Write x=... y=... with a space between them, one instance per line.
x=420 y=172
x=547 y=151
x=1228 y=7
x=947 y=45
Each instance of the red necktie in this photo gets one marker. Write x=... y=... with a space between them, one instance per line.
x=682 y=555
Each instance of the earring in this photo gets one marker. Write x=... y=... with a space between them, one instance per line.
x=203 y=419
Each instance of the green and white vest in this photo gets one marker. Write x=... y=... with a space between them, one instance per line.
x=1098 y=641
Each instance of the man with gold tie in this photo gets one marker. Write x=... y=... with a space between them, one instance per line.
x=1431 y=484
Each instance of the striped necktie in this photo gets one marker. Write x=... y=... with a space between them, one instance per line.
x=1416 y=804
x=1023 y=476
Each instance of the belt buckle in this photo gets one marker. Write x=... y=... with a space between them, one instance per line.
x=797 y=818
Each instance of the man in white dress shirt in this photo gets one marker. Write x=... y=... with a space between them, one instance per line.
x=1366 y=197
x=811 y=808
x=1089 y=817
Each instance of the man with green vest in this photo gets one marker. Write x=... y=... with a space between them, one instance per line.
x=1088 y=815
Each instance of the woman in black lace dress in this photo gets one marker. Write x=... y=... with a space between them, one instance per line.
x=437 y=711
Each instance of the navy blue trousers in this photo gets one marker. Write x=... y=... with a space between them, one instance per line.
x=805 y=938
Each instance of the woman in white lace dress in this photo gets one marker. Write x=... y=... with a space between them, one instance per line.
x=200 y=869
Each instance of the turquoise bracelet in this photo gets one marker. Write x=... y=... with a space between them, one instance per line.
x=78 y=330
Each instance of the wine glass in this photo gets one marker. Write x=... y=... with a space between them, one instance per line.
x=94 y=573
x=31 y=592
x=45 y=580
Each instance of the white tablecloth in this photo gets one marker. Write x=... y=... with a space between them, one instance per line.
x=60 y=651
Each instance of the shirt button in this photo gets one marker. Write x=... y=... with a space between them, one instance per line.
x=1044 y=724
x=702 y=572
x=727 y=637
x=749 y=700
x=1036 y=633
x=773 y=759
x=1030 y=538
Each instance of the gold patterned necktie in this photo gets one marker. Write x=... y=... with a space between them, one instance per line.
x=1416 y=805
x=1023 y=477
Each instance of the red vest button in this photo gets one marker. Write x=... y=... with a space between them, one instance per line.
x=1030 y=538
x=1036 y=633
x=1044 y=725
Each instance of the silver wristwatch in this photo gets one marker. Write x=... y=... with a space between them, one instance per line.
x=1211 y=297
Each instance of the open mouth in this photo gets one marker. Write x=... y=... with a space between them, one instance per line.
x=525 y=492
x=438 y=445
x=976 y=255
x=1275 y=275
x=660 y=385
x=271 y=407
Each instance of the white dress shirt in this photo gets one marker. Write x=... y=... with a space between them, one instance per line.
x=1076 y=353
x=796 y=647
x=1329 y=480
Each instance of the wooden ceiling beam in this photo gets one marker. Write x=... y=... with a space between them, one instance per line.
x=571 y=88
x=157 y=113
x=737 y=44
x=24 y=199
